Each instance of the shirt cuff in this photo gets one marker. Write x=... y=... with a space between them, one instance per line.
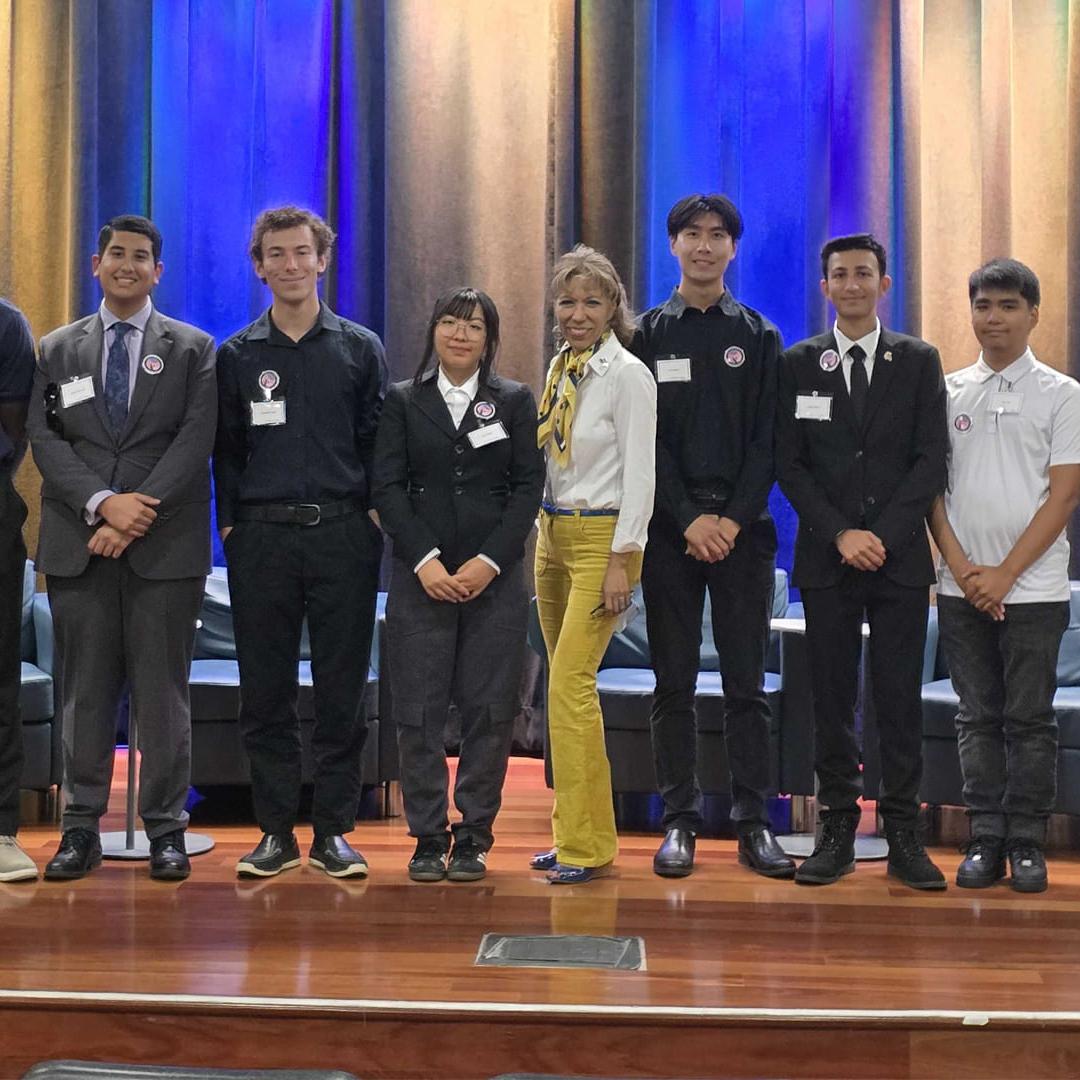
x=491 y=562
x=434 y=553
x=90 y=512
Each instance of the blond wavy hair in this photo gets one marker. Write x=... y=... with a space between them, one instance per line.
x=596 y=268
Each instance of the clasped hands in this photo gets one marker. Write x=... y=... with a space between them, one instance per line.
x=985 y=588
x=710 y=538
x=471 y=579
x=127 y=517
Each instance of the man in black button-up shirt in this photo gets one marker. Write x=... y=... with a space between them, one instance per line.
x=715 y=363
x=299 y=399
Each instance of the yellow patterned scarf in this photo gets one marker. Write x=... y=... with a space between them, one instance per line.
x=557 y=408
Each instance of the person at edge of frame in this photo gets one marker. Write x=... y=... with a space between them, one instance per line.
x=715 y=363
x=597 y=426
x=1003 y=592
x=300 y=394
x=861 y=446
x=16 y=379
x=122 y=424
x=458 y=479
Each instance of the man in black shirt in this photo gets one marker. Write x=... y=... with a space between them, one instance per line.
x=300 y=393
x=16 y=378
x=715 y=363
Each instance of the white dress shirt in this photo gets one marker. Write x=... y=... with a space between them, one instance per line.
x=458 y=399
x=133 y=343
x=612 y=446
x=868 y=342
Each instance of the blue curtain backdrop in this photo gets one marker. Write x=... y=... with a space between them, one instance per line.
x=476 y=139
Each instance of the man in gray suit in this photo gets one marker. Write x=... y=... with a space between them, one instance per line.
x=122 y=422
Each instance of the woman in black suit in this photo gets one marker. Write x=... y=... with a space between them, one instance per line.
x=457 y=484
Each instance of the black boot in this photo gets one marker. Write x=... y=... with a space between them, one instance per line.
x=834 y=855
x=908 y=860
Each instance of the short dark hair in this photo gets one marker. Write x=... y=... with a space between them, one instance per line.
x=460 y=303
x=1005 y=275
x=135 y=223
x=855 y=242
x=290 y=217
x=682 y=214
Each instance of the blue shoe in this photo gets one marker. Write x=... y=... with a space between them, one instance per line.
x=562 y=874
x=545 y=860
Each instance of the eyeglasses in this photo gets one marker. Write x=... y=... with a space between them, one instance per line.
x=474 y=329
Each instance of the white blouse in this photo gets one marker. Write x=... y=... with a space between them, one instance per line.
x=612 y=445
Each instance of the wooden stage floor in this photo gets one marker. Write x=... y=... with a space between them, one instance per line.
x=745 y=977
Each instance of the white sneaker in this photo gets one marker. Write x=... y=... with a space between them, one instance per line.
x=15 y=864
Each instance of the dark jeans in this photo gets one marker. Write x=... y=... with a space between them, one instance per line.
x=1006 y=674
x=277 y=575
x=12 y=566
x=897 y=618
x=740 y=591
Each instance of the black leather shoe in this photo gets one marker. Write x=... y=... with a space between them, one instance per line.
x=168 y=857
x=760 y=851
x=79 y=852
x=276 y=852
x=675 y=856
x=1027 y=866
x=334 y=855
x=429 y=860
x=834 y=854
x=468 y=861
x=909 y=863
x=983 y=864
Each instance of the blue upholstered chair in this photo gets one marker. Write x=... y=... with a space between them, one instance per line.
x=42 y=762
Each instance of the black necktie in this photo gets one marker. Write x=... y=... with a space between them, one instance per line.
x=860 y=384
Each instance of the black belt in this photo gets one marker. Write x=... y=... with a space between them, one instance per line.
x=298 y=513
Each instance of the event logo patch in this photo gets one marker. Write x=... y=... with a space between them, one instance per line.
x=830 y=360
x=734 y=356
x=962 y=423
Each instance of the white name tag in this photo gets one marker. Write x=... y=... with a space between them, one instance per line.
x=267 y=413
x=673 y=369
x=1004 y=402
x=813 y=406
x=76 y=390
x=489 y=433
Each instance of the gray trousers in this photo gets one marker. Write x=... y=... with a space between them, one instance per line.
x=470 y=654
x=113 y=630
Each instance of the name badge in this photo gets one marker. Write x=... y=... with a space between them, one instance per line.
x=81 y=388
x=489 y=433
x=813 y=406
x=1005 y=402
x=268 y=413
x=673 y=369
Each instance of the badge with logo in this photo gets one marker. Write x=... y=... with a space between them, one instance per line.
x=962 y=423
x=153 y=365
x=269 y=381
x=734 y=356
x=830 y=360
x=483 y=410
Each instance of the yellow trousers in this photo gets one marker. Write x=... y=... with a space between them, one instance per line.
x=571 y=559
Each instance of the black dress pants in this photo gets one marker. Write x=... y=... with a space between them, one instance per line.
x=12 y=567
x=740 y=591
x=278 y=574
x=897 y=618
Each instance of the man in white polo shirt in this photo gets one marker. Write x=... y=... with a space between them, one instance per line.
x=1003 y=598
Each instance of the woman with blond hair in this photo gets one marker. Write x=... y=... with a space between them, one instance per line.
x=598 y=429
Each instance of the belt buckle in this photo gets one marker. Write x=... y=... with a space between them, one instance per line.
x=310 y=506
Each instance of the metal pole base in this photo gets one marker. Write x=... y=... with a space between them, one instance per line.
x=114 y=845
x=867 y=848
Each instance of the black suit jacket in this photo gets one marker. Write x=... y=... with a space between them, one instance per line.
x=433 y=488
x=883 y=477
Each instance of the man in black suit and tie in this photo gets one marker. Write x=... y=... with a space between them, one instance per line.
x=122 y=423
x=861 y=451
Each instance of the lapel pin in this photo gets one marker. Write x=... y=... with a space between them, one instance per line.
x=153 y=364
x=888 y=355
x=483 y=410
x=830 y=360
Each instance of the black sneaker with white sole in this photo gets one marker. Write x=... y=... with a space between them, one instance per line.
x=276 y=852
x=335 y=856
x=468 y=861
x=429 y=860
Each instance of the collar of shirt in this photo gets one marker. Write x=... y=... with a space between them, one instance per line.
x=677 y=306
x=264 y=325
x=1012 y=374
x=138 y=320
x=868 y=343
x=470 y=386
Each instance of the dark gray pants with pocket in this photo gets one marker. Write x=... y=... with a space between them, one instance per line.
x=470 y=654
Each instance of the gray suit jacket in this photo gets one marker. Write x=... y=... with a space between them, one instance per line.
x=163 y=450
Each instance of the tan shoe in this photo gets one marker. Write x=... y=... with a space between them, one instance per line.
x=15 y=864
